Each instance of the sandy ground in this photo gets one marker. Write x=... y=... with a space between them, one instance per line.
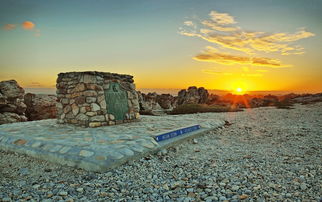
x=263 y=154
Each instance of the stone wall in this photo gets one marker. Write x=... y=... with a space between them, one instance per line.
x=94 y=99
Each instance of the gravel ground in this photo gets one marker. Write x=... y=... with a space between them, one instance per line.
x=262 y=154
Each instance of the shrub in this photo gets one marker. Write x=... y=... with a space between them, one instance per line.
x=200 y=108
x=284 y=104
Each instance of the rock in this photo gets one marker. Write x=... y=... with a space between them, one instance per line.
x=193 y=95
x=12 y=106
x=166 y=101
x=11 y=89
x=303 y=186
x=24 y=171
x=100 y=118
x=235 y=188
x=95 y=107
x=243 y=196
x=8 y=117
x=148 y=103
x=80 y=189
x=63 y=193
x=40 y=106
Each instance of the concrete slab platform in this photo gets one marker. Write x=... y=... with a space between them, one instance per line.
x=103 y=148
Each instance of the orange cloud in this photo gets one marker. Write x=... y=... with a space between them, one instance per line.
x=211 y=55
x=28 y=25
x=9 y=27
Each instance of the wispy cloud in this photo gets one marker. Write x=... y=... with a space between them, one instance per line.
x=252 y=75
x=213 y=55
x=222 y=18
x=9 y=27
x=221 y=30
x=262 y=70
x=210 y=71
x=35 y=84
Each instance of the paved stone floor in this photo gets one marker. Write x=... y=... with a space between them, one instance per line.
x=96 y=149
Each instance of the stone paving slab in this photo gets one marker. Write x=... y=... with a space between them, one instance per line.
x=98 y=149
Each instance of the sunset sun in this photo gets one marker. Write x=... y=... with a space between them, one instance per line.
x=239 y=91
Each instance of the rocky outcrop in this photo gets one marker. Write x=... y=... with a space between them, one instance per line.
x=148 y=103
x=40 y=106
x=212 y=99
x=167 y=101
x=193 y=95
x=155 y=104
x=308 y=98
x=257 y=102
x=12 y=106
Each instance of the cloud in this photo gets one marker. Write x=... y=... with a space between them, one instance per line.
x=188 y=23
x=28 y=25
x=252 y=75
x=212 y=55
x=9 y=27
x=222 y=31
x=210 y=71
x=222 y=18
x=35 y=84
x=262 y=70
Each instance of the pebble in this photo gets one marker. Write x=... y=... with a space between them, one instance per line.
x=264 y=134
x=63 y=193
x=303 y=186
x=80 y=189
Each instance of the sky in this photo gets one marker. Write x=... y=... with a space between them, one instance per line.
x=249 y=44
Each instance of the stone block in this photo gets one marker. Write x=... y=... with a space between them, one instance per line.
x=91 y=113
x=88 y=78
x=80 y=87
x=99 y=118
x=75 y=109
x=94 y=124
x=65 y=101
x=90 y=99
x=95 y=107
x=90 y=93
x=111 y=117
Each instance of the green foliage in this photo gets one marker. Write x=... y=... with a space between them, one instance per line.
x=200 y=108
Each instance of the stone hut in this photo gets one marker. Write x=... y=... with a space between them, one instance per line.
x=93 y=99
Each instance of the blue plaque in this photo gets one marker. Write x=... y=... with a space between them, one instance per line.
x=175 y=133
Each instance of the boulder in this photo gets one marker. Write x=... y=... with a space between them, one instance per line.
x=213 y=99
x=257 y=102
x=12 y=106
x=148 y=104
x=193 y=95
x=167 y=101
x=40 y=106
x=8 y=117
x=11 y=90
